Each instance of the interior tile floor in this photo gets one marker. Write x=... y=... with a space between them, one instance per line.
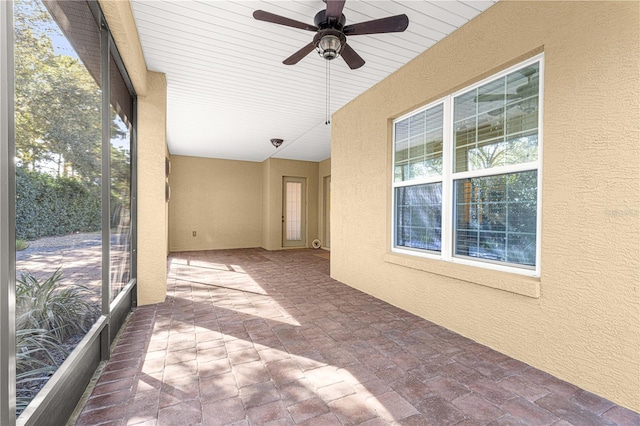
x=251 y=337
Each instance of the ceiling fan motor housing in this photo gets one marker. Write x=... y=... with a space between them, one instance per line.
x=330 y=39
x=321 y=21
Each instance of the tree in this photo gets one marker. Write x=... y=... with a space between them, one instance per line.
x=72 y=128
x=58 y=104
x=32 y=53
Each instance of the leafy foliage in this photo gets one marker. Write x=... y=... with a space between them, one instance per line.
x=61 y=310
x=53 y=139
x=48 y=315
x=47 y=205
x=35 y=363
x=46 y=85
x=21 y=245
x=59 y=134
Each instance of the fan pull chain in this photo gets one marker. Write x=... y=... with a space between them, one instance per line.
x=328 y=93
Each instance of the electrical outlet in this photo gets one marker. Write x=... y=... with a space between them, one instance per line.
x=193 y=233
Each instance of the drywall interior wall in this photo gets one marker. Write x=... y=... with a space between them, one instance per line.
x=584 y=325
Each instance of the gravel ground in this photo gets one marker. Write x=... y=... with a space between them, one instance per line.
x=65 y=242
x=60 y=244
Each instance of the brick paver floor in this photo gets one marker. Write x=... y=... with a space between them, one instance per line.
x=251 y=337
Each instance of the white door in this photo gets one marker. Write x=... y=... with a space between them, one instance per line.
x=294 y=217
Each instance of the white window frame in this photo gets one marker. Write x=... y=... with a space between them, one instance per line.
x=448 y=178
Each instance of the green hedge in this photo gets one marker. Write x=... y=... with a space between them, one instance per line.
x=48 y=206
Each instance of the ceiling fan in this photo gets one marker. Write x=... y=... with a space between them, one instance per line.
x=330 y=39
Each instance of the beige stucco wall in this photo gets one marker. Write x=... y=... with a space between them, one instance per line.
x=266 y=194
x=151 y=88
x=166 y=207
x=119 y=16
x=274 y=170
x=152 y=235
x=324 y=171
x=581 y=319
x=219 y=199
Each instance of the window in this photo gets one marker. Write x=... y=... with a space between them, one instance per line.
x=466 y=174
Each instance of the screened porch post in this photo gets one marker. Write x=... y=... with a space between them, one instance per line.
x=7 y=220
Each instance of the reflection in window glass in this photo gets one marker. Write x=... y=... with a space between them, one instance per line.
x=120 y=164
x=120 y=222
x=497 y=124
x=294 y=211
x=58 y=186
x=495 y=217
x=419 y=216
x=418 y=145
x=488 y=189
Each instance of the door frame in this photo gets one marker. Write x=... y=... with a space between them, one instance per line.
x=302 y=242
x=326 y=201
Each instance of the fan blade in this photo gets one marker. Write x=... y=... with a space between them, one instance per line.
x=499 y=111
x=351 y=57
x=392 y=24
x=334 y=9
x=488 y=97
x=261 y=15
x=296 y=57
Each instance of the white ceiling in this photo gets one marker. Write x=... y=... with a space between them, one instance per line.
x=228 y=92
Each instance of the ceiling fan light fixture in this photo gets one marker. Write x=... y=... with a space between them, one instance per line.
x=330 y=40
x=329 y=47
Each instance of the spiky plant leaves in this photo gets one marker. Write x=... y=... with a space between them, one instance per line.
x=35 y=362
x=48 y=313
x=35 y=348
x=62 y=309
x=21 y=245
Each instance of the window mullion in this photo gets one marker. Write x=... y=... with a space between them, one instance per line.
x=539 y=168
x=502 y=170
x=447 y=183
x=393 y=186
x=421 y=181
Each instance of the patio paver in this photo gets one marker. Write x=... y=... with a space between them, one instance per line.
x=251 y=337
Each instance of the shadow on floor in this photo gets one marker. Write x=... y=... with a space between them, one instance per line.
x=251 y=337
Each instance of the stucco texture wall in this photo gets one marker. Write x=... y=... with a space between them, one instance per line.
x=152 y=232
x=324 y=173
x=275 y=170
x=119 y=16
x=151 y=89
x=221 y=200
x=580 y=321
